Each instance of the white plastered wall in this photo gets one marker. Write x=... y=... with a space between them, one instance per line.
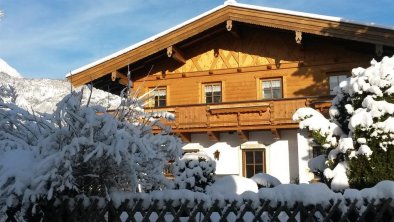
x=304 y=155
x=281 y=155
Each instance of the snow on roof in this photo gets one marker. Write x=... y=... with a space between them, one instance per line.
x=226 y=3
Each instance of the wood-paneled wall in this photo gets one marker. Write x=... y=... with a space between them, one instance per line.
x=240 y=64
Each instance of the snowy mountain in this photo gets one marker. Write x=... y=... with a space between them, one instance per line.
x=42 y=95
x=7 y=69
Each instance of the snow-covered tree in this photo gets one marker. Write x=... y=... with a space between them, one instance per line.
x=359 y=136
x=194 y=171
x=80 y=150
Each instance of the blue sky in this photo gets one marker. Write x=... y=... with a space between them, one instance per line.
x=48 y=38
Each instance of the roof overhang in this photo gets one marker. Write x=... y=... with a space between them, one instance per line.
x=262 y=16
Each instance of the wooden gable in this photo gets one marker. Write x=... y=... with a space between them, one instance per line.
x=236 y=46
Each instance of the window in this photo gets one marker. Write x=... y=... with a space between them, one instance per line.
x=158 y=97
x=334 y=82
x=213 y=92
x=271 y=88
x=317 y=151
x=253 y=162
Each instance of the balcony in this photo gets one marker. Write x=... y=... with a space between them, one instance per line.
x=240 y=116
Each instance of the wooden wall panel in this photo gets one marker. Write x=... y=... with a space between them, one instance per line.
x=258 y=54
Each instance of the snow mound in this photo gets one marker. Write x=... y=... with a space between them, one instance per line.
x=7 y=69
x=265 y=180
x=230 y=185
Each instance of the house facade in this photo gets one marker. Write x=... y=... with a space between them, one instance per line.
x=235 y=75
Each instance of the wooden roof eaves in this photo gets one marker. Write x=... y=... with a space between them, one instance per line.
x=150 y=48
x=339 y=29
x=309 y=25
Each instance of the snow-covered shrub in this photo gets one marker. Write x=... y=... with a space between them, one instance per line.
x=359 y=137
x=194 y=171
x=80 y=150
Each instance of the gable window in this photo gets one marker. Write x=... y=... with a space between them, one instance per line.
x=212 y=93
x=271 y=88
x=335 y=80
x=253 y=162
x=158 y=97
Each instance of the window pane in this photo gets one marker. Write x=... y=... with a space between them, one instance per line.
x=258 y=157
x=258 y=169
x=266 y=84
x=341 y=78
x=249 y=157
x=161 y=92
x=275 y=83
x=249 y=171
x=208 y=88
x=335 y=81
x=216 y=88
x=162 y=103
x=208 y=98
x=267 y=94
x=216 y=99
x=277 y=93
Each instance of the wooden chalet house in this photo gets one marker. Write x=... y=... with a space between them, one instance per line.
x=235 y=75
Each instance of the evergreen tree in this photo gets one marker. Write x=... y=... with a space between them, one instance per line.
x=359 y=136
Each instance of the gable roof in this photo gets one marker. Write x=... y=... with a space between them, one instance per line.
x=244 y=13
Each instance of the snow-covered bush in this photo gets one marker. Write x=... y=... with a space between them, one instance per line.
x=80 y=150
x=194 y=171
x=359 y=137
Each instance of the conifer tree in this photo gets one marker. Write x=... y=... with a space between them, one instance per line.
x=359 y=136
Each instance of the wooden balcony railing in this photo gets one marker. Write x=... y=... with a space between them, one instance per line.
x=249 y=115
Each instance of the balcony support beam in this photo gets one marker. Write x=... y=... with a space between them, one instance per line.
x=213 y=136
x=275 y=133
x=185 y=137
x=243 y=135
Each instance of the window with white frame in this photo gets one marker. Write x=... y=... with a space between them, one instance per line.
x=271 y=88
x=212 y=93
x=335 y=80
x=158 y=97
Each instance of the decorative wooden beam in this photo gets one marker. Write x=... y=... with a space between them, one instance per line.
x=232 y=28
x=185 y=137
x=276 y=134
x=243 y=135
x=175 y=53
x=118 y=75
x=298 y=37
x=213 y=136
x=379 y=49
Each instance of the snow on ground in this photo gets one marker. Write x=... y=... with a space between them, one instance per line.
x=41 y=95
